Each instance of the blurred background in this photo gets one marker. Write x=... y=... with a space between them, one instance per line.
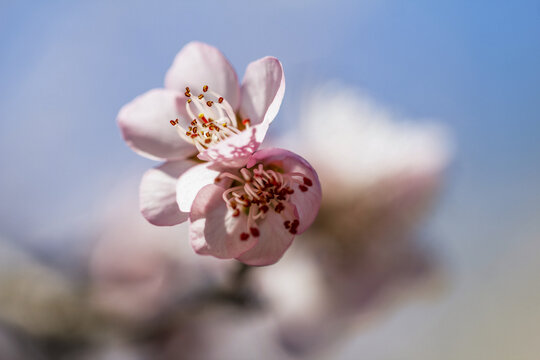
x=438 y=105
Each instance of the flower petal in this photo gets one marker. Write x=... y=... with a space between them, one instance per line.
x=157 y=193
x=274 y=240
x=235 y=150
x=192 y=181
x=199 y=64
x=145 y=126
x=262 y=90
x=213 y=230
x=307 y=202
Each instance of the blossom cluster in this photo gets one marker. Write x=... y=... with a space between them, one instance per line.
x=241 y=202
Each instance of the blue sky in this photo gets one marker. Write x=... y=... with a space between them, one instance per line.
x=67 y=67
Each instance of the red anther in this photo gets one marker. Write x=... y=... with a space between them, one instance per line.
x=220 y=100
x=200 y=96
x=205 y=88
x=207 y=141
x=246 y=121
x=307 y=182
x=217 y=128
x=296 y=222
x=208 y=134
x=194 y=122
x=204 y=119
x=233 y=204
x=187 y=93
x=194 y=129
x=244 y=236
x=254 y=231
x=194 y=136
x=187 y=88
x=279 y=208
x=173 y=123
x=209 y=103
x=236 y=213
x=264 y=208
x=287 y=224
x=290 y=191
x=303 y=188
x=293 y=231
x=188 y=133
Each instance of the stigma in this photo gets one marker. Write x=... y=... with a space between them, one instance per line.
x=212 y=119
x=256 y=192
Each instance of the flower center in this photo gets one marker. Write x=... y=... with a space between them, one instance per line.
x=256 y=192
x=215 y=119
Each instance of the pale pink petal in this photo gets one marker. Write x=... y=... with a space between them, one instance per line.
x=307 y=202
x=274 y=239
x=157 y=193
x=145 y=126
x=235 y=150
x=213 y=230
x=262 y=90
x=193 y=180
x=199 y=64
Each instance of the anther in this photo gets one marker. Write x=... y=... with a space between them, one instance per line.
x=205 y=88
x=287 y=224
x=187 y=93
x=200 y=96
x=246 y=121
x=201 y=116
x=220 y=100
x=209 y=103
x=307 y=181
x=279 y=208
x=244 y=236
x=254 y=231
x=303 y=188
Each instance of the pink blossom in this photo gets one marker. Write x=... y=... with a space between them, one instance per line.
x=250 y=213
x=212 y=116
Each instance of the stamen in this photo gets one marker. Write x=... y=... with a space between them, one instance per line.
x=257 y=191
x=205 y=108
